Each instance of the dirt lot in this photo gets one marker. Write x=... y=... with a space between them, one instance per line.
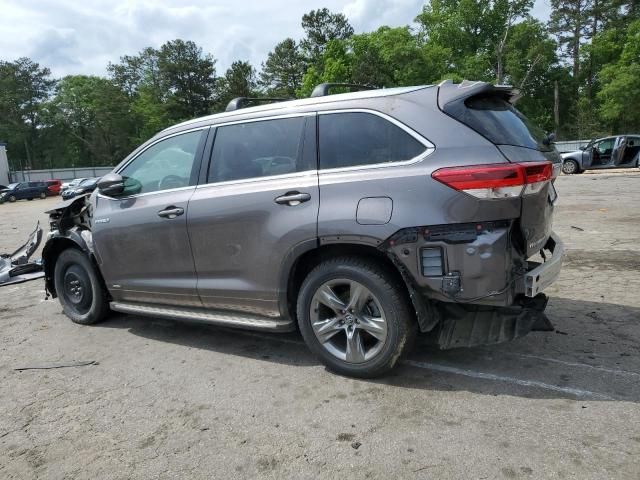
x=170 y=400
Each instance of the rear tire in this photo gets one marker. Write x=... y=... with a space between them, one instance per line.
x=79 y=288
x=355 y=317
x=43 y=195
x=569 y=167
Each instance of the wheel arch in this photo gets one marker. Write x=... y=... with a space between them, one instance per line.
x=77 y=238
x=308 y=259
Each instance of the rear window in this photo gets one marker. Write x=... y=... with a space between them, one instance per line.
x=499 y=121
x=357 y=138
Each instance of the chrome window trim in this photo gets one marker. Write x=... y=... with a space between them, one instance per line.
x=285 y=176
x=262 y=119
x=429 y=147
x=138 y=195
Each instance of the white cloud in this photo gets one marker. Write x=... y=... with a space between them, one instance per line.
x=73 y=37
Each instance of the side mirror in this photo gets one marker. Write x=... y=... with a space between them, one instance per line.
x=111 y=185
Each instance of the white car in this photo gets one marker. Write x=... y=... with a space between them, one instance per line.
x=73 y=183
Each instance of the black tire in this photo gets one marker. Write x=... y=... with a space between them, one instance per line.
x=391 y=296
x=73 y=271
x=43 y=195
x=12 y=198
x=29 y=199
x=569 y=167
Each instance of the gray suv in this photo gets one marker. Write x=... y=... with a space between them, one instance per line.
x=360 y=218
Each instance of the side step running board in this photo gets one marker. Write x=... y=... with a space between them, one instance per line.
x=214 y=317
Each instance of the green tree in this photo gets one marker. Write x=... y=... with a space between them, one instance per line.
x=94 y=116
x=475 y=33
x=620 y=91
x=238 y=81
x=570 y=23
x=24 y=89
x=187 y=78
x=283 y=70
x=321 y=26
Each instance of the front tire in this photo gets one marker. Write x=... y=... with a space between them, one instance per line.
x=12 y=198
x=43 y=195
x=79 y=289
x=570 y=167
x=355 y=317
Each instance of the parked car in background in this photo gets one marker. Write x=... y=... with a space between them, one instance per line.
x=53 y=187
x=610 y=152
x=71 y=184
x=360 y=218
x=24 y=191
x=88 y=185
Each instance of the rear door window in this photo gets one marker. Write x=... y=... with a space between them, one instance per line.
x=499 y=121
x=258 y=149
x=352 y=139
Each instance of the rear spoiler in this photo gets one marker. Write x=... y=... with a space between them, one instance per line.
x=449 y=92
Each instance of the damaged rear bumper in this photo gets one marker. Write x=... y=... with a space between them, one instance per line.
x=469 y=283
x=546 y=273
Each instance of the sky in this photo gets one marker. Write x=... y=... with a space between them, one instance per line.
x=82 y=37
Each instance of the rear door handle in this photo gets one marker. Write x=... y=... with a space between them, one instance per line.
x=171 y=212
x=293 y=198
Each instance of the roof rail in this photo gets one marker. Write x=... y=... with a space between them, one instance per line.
x=322 y=90
x=241 y=102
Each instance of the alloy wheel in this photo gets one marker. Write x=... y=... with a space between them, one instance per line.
x=348 y=320
x=569 y=167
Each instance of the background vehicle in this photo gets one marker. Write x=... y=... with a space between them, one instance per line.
x=611 y=152
x=53 y=186
x=24 y=191
x=86 y=186
x=359 y=218
x=71 y=184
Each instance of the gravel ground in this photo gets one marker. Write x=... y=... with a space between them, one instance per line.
x=171 y=400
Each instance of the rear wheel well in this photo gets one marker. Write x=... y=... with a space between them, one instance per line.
x=311 y=259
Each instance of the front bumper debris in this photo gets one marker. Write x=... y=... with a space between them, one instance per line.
x=15 y=267
x=543 y=275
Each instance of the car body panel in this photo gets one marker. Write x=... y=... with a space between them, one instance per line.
x=144 y=257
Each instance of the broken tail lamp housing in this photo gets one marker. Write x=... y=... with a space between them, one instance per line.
x=494 y=181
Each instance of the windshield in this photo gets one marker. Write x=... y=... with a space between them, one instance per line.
x=500 y=122
x=88 y=182
x=11 y=186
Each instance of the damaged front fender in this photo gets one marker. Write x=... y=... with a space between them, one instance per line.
x=70 y=224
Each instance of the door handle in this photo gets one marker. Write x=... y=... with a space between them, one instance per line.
x=293 y=198
x=171 y=212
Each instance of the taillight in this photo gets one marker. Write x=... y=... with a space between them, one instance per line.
x=497 y=180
